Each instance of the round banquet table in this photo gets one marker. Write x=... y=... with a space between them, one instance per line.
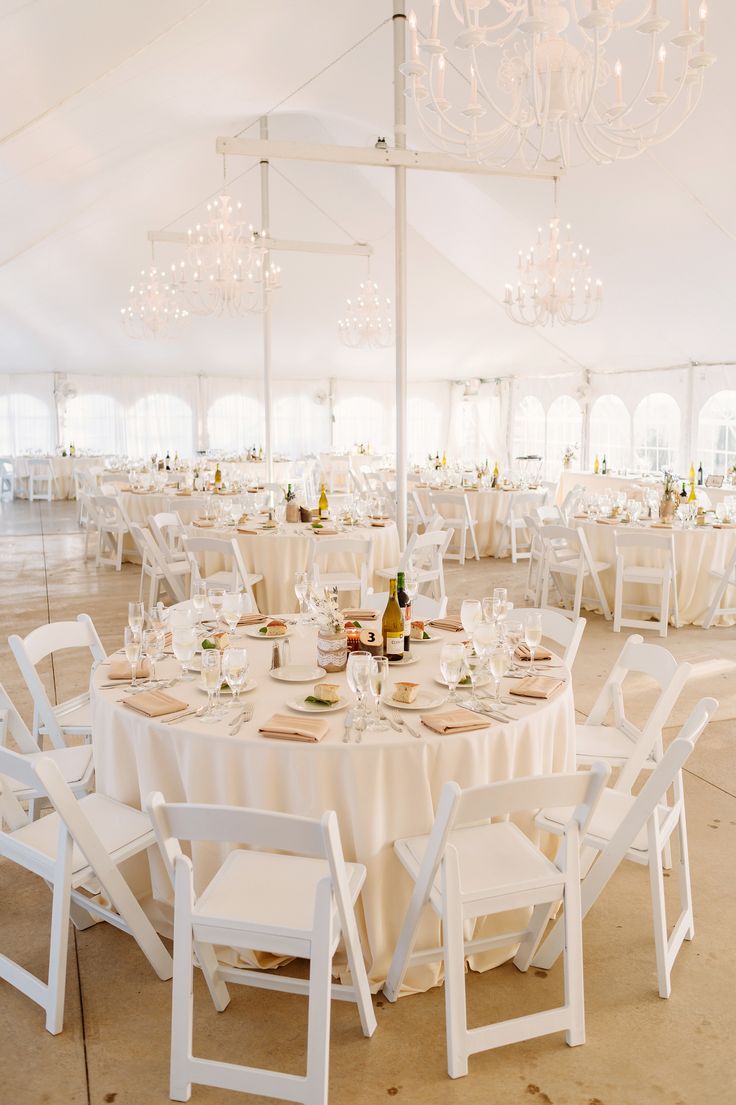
x=600 y=485
x=384 y=788
x=62 y=468
x=490 y=508
x=697 y=551
x=278 y=556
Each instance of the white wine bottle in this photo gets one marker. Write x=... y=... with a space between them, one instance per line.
x=392 y=626
x=323 y=504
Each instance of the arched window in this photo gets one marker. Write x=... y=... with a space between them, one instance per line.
x=528 y=438
x=95 y=422
x=610 y=432
x=160 y=423
x=360 y=420
x=564 y=429
x=425 y=432
x=717 y=433
x=656 y=433
x=300 y=426
x=235 y=423
x=26 y=425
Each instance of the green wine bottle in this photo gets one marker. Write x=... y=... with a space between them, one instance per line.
x=392 y=626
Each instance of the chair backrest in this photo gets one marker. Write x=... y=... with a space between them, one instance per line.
x=109 y=508
x=323 y=549
x=29 y=651
x=40 y=469
x=228 y=549
x=421 y=515
x=12 y=725
x=547 y=514
x=640 y=539
x=556 y=626
x=571 y=501
x=656 y=662
x=151 y=555
x=262 y=830
x=452 y=504
x=525 y=502
x=560 y=540
x=423 y=607
x=168 y=530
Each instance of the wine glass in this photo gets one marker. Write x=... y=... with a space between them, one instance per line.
x=485 y=636
x=136 y=615
x=499 y=664
x=132 y=640
x=358 y=675
x=452 y=663
x=378 y=683
x=514 y=634
x=217 y=597
x=235 y=670
x=500 y=596
x=153 y=650
x=212 y=677
x=476 y=663
x=199 y=602
x=471 y=613
x=184 y=644
x=232 y=604
x=301 y=586
x=487 y=607
x=532 y=637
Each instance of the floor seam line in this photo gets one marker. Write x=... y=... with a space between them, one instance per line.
x=81 y=1014
x=708 y=782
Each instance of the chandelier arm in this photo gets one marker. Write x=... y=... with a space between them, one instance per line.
x=486 y=94
x=446 y=139
x=594 y=79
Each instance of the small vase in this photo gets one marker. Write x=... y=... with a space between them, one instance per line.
x=567 y=465
x=292 y=511
x=667 y=510
x=332 y=650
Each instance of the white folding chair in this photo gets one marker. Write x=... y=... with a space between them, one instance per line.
x=290 y=893
x=40 y=481
x=424 y=556
x=235 y=576
x=112 y=525
x=7 y=477
x=79 y=845
x=72 y=718
x=454 y=506
x=622 y=744
x=726 y=579
x=417 y=515
x=522 y=503
x=423 y=607
x=557 y=628
x=323 y=552
x=88 y=519
x=75 y=764
x=657 y=546
x=168 y=532
x=571 y=502
x=568 y=560
x=173 y=575
x=470 y=867
x=639 y=828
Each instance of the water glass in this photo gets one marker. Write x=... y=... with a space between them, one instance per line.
x=217 y=597
x=153 y=650
x=199 y=601
x=232 y=605
x=471 y=612
x=132 y=640
x=485 y=637
x=452 y=666
x=358 y=675
x=500 y=596
x=136 y=615
x=184 y=644
x=235 y=670
x=301 y=586
x=476 y=663
x=378 y=677
x=533 y=637
x=499 y=664
x=212 y=677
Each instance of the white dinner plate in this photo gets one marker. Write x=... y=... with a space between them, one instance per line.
x=298 y=673
x=425 y=700
x=403 y=662
x=254 y=631
x=482 y=682
x=303 y=707
x=426 y=640
x=249 y=686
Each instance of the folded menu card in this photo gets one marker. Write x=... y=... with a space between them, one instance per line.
x=360 y=615
x=310 y=729
x=523 y=652
x=537 y=686
x=120 y=669
x=203 y=523
x=451 y=622
x=454 y=721
x=154 y=703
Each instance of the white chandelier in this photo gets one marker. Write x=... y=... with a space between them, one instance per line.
x=225 y=269
x=154 y=308
x=368 y=319
x=546 y=80
x=554 y=281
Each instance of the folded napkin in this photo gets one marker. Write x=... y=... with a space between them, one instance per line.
x=451 y=623
x=608 y=521
x=523 y=652
x=311 y=729
x=154 y=703
x=360 y=615
x=454 y=721
x=120 y=669
x=251 y=619
x=661 y=525
x=203 y=523
x=327 y=531
x=537 y=686
x=379 y=525
x=248 y=529
x=184 y=492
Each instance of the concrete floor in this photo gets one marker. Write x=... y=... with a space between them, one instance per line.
x=640 y=1050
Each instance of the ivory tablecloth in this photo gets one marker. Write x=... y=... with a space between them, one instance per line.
x=489 y=507
x=697 y=551
x=279 y=556
x=384 y=788
x=63 y=473
x=599 y=485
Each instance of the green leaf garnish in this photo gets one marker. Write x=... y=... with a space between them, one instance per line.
x=318 y=701
x=426 y=636
x=263 y=629
x=207 y=643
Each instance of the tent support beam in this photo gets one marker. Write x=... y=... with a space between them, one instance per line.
x=267 y=374
x=400 y=288
x=276 y=245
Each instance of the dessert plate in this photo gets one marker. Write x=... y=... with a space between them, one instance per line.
x=298 y=673
x=303 y=707
x=254 y=631
x=425 y=700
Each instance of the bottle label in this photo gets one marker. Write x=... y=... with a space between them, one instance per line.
x=395 y=646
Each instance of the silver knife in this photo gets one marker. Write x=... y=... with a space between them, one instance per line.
x=392 y=722
x=349 y=718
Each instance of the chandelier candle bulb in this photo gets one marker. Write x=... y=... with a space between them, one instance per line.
x=412 y=21
x=435 y=30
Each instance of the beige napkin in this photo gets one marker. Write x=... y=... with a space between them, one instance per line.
x=379 y=525
x=247 y=529
x=360 y=615
x=120 y=669
x=294 y=729
x=660 y=525
x=154 y=703
x=203 y=523
x=537 y=686
x=523 y=652
x=251 y=619
x=326 y=531
x=451 y=622
x=454 y=721
x=608 y=521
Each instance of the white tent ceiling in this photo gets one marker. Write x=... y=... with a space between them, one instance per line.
x=108 y=121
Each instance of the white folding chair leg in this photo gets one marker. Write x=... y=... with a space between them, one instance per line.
x=573 y=963
x=320 y=1001
x=454 y=949
x=182 y=991
x=59 y=948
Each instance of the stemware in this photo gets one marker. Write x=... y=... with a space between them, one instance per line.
x=358 y=675
x=499 y=664
x=452 y=663
x=212 y=677
x=471 y=612
x=301 y=586
x=184 y=644
x=153 y=650
x=476 y=663
x=378 y=683
x=500 y=596
x=485 y=637
x=199 y=602
x=235 y=670
x=136 y=615
x=217 y=597
x=132 y=639
x=232 y=605
x=532 y=637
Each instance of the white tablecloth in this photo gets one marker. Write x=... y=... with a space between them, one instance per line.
x=63 y=469
x=696 y=552
x=384 y=788
x=489 y=507
x=279 y=556
x=599 y=485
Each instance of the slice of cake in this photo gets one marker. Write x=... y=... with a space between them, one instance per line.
x=325 y=694
x=274 y=628
x=418 y=632
x=406 y=692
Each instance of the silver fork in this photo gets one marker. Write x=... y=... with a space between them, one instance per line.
x=245 y=717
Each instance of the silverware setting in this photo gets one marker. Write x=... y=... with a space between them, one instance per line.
x=404 y=724
x=348 y=723
x=241 y=719
x=181 y=716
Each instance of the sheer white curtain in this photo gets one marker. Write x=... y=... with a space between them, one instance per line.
x=301 y=417
x=364 y=415
x=95 y=422
x=27 y=414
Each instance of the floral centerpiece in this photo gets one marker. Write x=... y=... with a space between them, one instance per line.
x=569 y=455
x=332 y=638
x=668 y=502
